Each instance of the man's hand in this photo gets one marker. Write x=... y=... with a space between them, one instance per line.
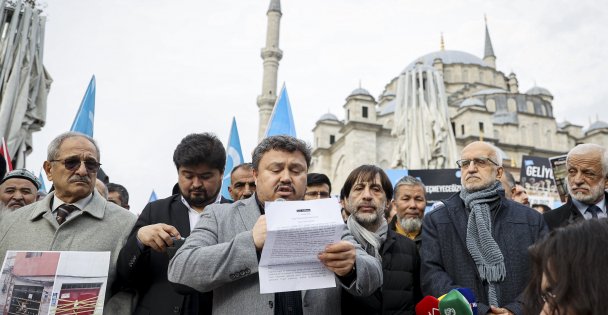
x=157 y=236
x=339 y=257
x=259 y=233
x=499 y=310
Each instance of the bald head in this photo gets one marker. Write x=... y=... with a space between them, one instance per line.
x=481 y=166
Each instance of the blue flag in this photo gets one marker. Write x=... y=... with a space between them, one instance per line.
x=85 y=118
x=152 y=196
x=281 y=120
x=42 y=188
x=234 y=157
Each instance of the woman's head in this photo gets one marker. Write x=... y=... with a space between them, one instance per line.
x=570 y=270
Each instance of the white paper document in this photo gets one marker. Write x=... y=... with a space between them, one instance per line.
x=296 y=232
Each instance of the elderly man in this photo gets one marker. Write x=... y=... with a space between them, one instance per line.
x=199 y=160
x=118 y=194
x=587 y=166
x=368 y=192
x=318 y=186
x=242 y=183
x=410 y=203
x=74 y=217
x=221 y=254
x=17 y=189
x=478 y=239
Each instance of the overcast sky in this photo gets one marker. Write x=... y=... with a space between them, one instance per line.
x=165 y=69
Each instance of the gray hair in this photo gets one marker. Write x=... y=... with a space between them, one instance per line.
x=586 y=148
x=497 y=154
x=409 y=181
x=280 y=143
x=53 y=149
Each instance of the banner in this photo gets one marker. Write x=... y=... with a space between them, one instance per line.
x=537 y=179
x=440 y=184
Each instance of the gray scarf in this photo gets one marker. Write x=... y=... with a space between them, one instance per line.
x=370 y=241
x=480 y=243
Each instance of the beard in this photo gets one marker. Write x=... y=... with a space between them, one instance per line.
x=368 y=220
x=595 y=192
x=4 y=207
x=410 y=225
x=202 y=199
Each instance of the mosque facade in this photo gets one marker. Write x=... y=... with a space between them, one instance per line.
x=483 y=103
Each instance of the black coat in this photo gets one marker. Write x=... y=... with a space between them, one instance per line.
x=146 y=270
x=566 y=214
x=400 y=290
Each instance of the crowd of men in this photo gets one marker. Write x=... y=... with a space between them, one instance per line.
x=196 y=252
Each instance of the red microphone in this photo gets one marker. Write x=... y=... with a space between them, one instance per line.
x=429 y=305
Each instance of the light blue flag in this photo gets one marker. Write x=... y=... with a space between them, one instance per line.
x=85 y=118
x=281 y=120
x=152 y=196
x=42 y=188
x=234 y=157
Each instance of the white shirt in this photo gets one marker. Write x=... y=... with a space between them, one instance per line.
x=583 y=208
x=194 y=215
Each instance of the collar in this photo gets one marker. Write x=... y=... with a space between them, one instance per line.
x=582 y=207
x=93 y=204
x=217 y=201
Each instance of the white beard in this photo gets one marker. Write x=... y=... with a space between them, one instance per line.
x=410 y=225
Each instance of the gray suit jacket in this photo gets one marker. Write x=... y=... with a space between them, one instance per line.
x=220 y=255
x=100 y=226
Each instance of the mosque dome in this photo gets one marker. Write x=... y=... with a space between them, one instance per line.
x=447 y=57
x=328 y=116
x=597 y=125
x=537 y=90
x=472 y=102
x=360 y=91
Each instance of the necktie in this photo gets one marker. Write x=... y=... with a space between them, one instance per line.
x=63 y=211
x=594 y=210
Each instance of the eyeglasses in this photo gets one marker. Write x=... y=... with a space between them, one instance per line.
x=318 y=194
x=480 y=162
x=73 y=163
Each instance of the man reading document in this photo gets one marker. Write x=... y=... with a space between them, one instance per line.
x=223 y=250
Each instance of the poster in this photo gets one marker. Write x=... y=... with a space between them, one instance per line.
x=537 y=179
x=54 y=283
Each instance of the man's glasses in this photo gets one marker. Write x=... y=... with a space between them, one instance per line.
x=479 y=162
x=318 y=194
x=73 y=163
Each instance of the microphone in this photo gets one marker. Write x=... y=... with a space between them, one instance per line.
x=454 y=303
x=470 y=296
x=429 y=305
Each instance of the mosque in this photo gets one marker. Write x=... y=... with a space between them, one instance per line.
x=482 y=103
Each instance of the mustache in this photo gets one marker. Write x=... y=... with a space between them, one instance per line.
x=79 y=179
x=284 y=186
x=21 y=203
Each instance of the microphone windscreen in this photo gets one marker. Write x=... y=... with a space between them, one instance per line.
x=429 y=305
x=454 y=303
x=470 y=296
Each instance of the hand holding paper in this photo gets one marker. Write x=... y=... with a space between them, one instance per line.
x=339 y=257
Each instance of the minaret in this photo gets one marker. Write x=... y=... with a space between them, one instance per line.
x=271 y=54
x=488 y=56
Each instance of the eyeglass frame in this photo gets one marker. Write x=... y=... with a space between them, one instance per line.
x=318 y=194
x=478 y=161
x=80 y=162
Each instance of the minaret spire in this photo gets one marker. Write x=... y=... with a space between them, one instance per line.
x=271 y=54
x=442 y=45
x=488 y=55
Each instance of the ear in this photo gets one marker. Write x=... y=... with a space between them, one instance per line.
x=230 y=189
x=499 y=171
x=255 y=176
x=47 y=169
